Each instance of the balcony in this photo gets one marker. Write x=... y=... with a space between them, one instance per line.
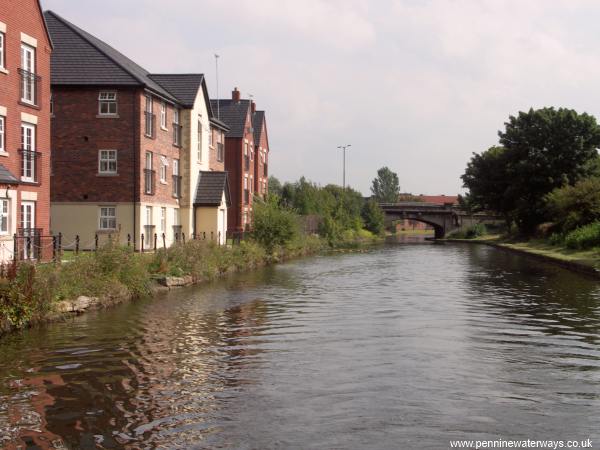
x=246 y=197
x=177 y=134
x=150 y=127
x=149 y=181
x=29 y=165
x=29 y=88
x=247 y=163
x=176 y=186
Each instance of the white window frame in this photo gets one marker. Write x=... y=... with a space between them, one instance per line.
x=108 y=98
x=106 y=220
x=176 y=113
x=28 y=160
x=2 y=50
x=105 y=160
x=163 y=115
x=163 y=169
x=163 y=219
x=2 y=134
x=199 y=141
x=4 y=216
x=210 y=139
x=149 y=216
x=28 y=83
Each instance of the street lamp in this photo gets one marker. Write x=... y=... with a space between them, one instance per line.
x=343 y=147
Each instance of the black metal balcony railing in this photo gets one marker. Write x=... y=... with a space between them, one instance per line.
x=246 y=196
x=177 y=134
x=177 y=186
x=220 y=152
x=29 y=87
x=149 y=181
x=150 y=127
x=29 y=243
x=246 y=163
x=29 y=165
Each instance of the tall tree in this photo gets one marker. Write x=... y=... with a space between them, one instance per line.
x=275 y=186
x=541 y=150
x=386 y=186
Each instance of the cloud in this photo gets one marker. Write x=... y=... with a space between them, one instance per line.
x=417 y=85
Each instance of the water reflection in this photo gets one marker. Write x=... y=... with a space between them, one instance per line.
x=404 y=347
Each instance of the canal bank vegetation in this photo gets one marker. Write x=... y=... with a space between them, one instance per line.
x=544 y=179
x=35 y=293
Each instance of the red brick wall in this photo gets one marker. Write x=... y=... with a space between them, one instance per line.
x=162 y=144
x=259 y=167
x=78 y=134
x=213 y=162
x=25 y=16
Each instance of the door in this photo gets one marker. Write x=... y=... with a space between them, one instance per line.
x=28 y=231
x=28 y=149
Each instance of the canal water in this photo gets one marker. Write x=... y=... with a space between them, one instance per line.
x=402 y=347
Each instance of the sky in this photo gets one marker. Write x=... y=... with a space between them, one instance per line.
x=415 y=85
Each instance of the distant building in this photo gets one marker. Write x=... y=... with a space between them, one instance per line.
x=261 y=146
x=25 y=107
x=240 y=158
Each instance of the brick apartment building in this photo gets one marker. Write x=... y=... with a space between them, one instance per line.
x=261 y=146
x=117 y=138
x=25 y=50
x=241 y=155
x=204 y=188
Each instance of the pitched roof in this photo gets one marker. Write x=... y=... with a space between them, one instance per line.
x=82 y=59
x=211 y=186
x=219 y=123
x=6 y=177
x=233 y=114
x=257 y=124
x=183 y=86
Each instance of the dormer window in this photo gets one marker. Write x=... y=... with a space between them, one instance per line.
x=107 y=103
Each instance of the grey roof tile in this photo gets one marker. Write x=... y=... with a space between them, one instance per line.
x=79 y=58
x=211 y=186
x=184 y=86
x=6 y=177
x=257 y=124
x=233 y=114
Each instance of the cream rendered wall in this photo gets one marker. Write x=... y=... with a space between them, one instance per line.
x=83 y=219
x=191 y=164
x=156 y=221
x=212 y=220
x=7 y=244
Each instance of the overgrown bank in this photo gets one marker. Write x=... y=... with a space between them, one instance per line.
x=31 y=294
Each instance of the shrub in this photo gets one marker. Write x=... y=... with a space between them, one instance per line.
x=577 y=205
x=475 y=231
x=373 y=217
x=274 y=225
x=584 y=237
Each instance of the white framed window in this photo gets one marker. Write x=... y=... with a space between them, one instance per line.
x=176 y=116
x=210 y=138
x=149 y=105
x=163 y=219
x=176 y=167
x=163 y=115
x=251 y=153
x=2 y=51
x=28 y=77
x=2 y=139
x=107 y=103
x=176 y=217
x=245 y=182
x=4 y=216
x=108 y=218
x=107 y=161
x=164 y=163
x=245 y=149
x=199 y=141
x=28 y=149
x=148 y=215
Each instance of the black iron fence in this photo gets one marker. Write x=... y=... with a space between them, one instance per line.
x=29 y=87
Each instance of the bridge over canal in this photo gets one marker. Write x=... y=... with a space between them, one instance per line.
x=443 y=218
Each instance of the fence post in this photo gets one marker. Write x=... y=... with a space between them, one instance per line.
x=183 y=237
x=155 y=240
x=16 y=252
x=219 y=242
x=204 y=235
x=28 y=247
x=60 y=249
x=96 y=242
x=128 y=240
x=212 y=235
x=77 y=245
x=54 y=248
x=164 y=241
x=142 y=247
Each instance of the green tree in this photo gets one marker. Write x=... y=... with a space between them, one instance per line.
x=373 y=217
x=575 y=206
x=275 y=186
x=540 y=151
x=386 y=186
x=273 y=224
